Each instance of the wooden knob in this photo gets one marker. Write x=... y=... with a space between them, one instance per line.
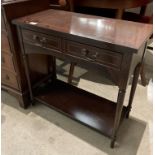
x=84 y=51
x=43 y=40
x=35 y=37
x=94 y=56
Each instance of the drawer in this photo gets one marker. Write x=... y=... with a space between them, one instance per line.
x=42 y=40
x=9 y=79
x=5 y=42
x=97 y=55
x=7 y=61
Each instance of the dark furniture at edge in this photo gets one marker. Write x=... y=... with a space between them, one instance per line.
x=106 y=44
x=117 y=5
x=13 y=75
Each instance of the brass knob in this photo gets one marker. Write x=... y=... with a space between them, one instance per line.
x=43 y=40
x=94 y=56
x=35 y=37
x=84 y=51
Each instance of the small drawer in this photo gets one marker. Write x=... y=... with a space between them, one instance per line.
x=9 y=79
x=5 y=43
x=94 y=54
x=42 y=40
x=7 y=61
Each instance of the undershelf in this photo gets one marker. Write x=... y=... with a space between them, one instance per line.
x=89 y=109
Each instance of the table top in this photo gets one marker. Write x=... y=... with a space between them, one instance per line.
x=113 y=31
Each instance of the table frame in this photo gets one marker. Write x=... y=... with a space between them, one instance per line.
x=125 y=72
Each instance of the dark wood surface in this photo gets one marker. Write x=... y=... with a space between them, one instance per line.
x=118 y=46
x=89 y=109
x=13 y=75
x=101 y=29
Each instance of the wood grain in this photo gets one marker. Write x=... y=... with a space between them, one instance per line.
x=96 y=28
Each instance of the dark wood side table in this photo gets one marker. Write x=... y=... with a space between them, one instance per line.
x=116 y=45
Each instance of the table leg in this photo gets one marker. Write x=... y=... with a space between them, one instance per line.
x=54 y=75
x=120 y=100
x=71 y=71
x=27 y=72
x=142 y=75
x=51 y=60
x=143 y=10
x=133 y=87
x=119 y=13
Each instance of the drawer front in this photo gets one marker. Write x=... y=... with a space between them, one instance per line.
x=9 y=79
x=97 y=55
x=42 y=40
x=5 y=43
x=7 y=61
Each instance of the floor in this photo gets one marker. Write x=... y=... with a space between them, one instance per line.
x=43 y=131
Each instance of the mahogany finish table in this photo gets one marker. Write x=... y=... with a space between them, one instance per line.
x=116 y=45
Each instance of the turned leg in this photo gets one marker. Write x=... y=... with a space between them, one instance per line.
x=120 y=100
x=133 y=87
x=71 y=71
x=49 y=59
x=27 y=72
x=142 y=74
x=54 y=76
x=142 y=71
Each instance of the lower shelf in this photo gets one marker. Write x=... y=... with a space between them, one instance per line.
x=91 y=110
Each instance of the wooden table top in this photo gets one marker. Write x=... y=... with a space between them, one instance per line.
x=113 y=31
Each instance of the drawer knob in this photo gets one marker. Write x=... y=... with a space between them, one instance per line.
x=94 y=55
x=84 y=51
x=43 y=40
x=35 y=37
x=7 y=77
